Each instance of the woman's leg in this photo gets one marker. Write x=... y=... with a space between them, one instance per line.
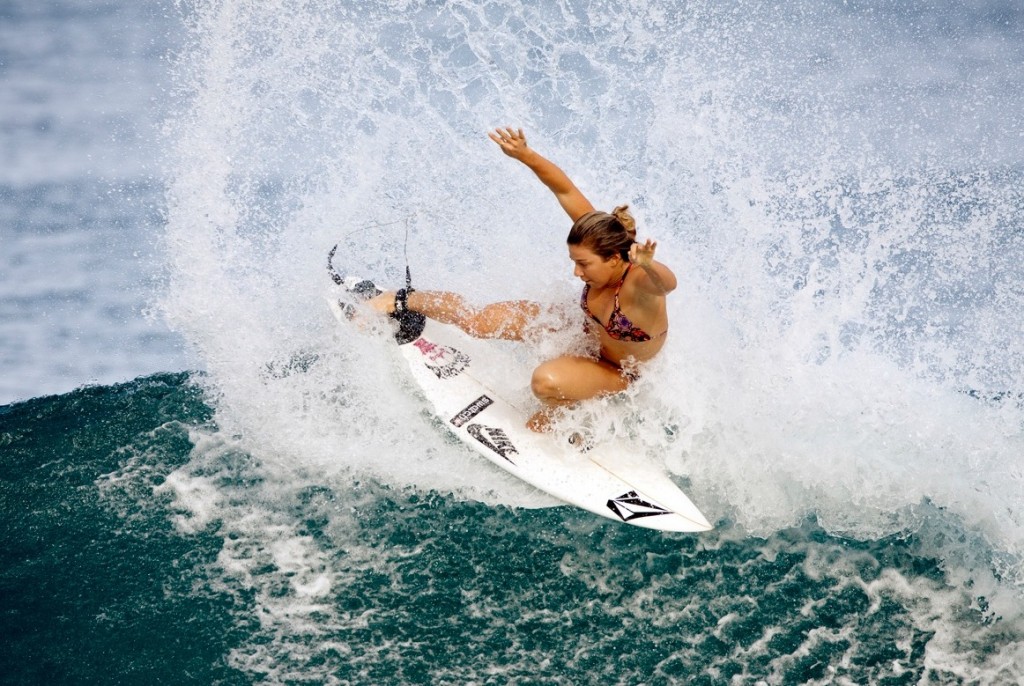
x=509 y=320
x=561 y=381
x=565 y=380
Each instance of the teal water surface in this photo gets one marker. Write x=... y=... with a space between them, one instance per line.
x=102 y=584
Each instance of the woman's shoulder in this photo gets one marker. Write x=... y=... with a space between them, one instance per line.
x=655 y=282
x=635 y=294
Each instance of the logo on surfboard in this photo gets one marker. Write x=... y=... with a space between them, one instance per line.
x=472 y=410
x=629 y=506
x=445 y=361
x=494 y=438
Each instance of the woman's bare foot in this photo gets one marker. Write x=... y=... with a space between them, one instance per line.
x=540 y=421
x=383 y=303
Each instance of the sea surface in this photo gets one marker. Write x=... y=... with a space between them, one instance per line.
x=205 y=479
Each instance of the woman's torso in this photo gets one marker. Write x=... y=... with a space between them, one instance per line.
x=646 y=312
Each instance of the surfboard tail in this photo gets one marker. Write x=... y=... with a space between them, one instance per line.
x=410 y=324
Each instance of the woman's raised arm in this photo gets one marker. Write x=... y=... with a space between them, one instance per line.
x=513 y=143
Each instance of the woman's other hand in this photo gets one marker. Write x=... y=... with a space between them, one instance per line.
x=642 y=255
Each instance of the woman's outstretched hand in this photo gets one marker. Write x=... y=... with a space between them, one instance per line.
x=642 y=255
x=511 y=141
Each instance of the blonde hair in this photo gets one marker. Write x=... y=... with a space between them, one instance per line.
x=606 y=234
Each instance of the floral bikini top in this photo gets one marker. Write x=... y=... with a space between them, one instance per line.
x=619 y=326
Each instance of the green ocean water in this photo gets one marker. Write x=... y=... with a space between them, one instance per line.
x=96 y=591
x=345 y=581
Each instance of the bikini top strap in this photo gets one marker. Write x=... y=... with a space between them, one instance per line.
x=622 y=281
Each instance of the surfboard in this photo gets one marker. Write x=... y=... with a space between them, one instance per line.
x=606 y=480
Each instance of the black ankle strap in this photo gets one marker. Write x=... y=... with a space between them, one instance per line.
x=410 y=324
x=402 y=301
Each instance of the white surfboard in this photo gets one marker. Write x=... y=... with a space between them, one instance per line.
x=604 y=480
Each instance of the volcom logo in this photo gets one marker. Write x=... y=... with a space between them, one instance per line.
x=630 y=506
x=475 y=408
x=494 y=438
x=443 y=360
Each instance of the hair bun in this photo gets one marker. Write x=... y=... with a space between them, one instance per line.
x=626 y=219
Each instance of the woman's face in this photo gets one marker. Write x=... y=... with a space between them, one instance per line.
x=593 y=269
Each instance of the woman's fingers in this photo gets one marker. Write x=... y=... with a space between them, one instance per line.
x=507 y=135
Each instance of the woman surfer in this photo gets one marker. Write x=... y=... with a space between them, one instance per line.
x=623 y=294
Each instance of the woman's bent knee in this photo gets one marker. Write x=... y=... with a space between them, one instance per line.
x=574 y=378
x=546 y=383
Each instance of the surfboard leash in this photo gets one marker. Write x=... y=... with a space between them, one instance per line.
x=339 y=279
x=410 y=324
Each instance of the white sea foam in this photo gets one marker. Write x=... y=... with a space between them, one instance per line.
x=847 y=275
